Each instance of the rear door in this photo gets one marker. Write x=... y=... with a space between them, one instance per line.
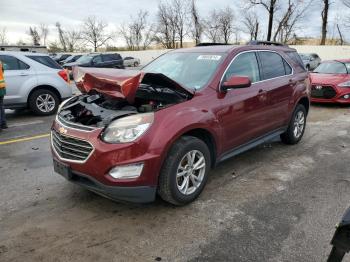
x=277 y=76
x=97 y=61
x=17 y=74
x=112 y=60
x=243 y=111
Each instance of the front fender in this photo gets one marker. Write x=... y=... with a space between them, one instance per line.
x=170 y=126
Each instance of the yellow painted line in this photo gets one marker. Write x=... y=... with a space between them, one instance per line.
x=23 y=139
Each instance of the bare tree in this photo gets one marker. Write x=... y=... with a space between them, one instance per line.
x=94 y=32
x=347 y=22
x=3 y=35
x=271 y=7
x=33 y=32
x=340 y=35
x=197 y=25
x=61 y=37
x=251 y=25
x=166 y=29
x=44 y=32
x=72 y=38
x=226 y=28
x=286 y=25
x=212 y=27
x=324 y=16
x=181 y=12
x=138 y=33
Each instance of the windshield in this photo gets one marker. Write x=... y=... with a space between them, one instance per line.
x=334 y=67
x=192 y=70
x=85 y=59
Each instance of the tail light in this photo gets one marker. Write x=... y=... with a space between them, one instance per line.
x=64 y=75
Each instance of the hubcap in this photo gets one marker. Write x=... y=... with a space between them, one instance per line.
x=299 y=124
x=45 y=103
x=190 y=172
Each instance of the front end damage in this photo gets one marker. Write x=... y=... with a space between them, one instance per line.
x=92 y=137
x=109 y=94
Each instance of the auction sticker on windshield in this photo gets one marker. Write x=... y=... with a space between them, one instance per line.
x=209 y=57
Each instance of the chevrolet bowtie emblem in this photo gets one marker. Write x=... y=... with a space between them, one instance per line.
x=62 y=130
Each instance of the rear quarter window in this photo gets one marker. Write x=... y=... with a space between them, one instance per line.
x=273 y=65
x=45 y=60
x=295 y=57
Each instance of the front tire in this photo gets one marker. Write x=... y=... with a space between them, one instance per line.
x=296 y=126
x=43 y=102
x=185 y=171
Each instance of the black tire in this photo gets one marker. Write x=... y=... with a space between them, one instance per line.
x=167 y=184
x=308 y=67
x=33 y=106
x=289 y=136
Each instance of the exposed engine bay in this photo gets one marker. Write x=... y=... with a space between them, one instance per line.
x=98 y=109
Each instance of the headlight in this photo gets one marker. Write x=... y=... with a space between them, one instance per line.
x=128 y=129
x=345 y=84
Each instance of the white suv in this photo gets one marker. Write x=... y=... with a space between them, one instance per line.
x=34 y=81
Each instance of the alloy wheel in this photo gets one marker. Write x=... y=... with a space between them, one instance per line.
x=45 y=103
x=190 y=172
x=299 y=124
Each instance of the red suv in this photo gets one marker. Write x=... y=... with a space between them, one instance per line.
x=132 y=135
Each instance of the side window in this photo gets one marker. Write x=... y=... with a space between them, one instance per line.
x=97 y=59
x=287 y=68
x=111 y=57
x=22 y=66
x=272 y=65
x=12 y=63
x=295 y=57
x=245 y=64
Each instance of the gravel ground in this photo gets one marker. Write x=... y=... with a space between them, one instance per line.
x=273 y=203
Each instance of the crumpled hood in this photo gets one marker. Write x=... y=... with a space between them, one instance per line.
x=329 y=79
x=120 y=83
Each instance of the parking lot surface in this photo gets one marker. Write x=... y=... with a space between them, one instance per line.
x=273 y=203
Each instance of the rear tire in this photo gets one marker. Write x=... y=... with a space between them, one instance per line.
x=43 y=102
x=296 y=126
x=182 y=179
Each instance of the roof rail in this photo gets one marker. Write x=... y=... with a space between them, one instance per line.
x=266 y=43
x=211 y=44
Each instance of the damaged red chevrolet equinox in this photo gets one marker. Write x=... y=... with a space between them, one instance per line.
x=132 y=135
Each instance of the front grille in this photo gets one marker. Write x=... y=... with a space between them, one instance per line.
x=70 y=148
x=326 y=92
x=64 y=122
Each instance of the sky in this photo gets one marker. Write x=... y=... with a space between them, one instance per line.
x=18 y=15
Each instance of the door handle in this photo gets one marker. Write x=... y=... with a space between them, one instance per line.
x=23 y=74
x=261 y=91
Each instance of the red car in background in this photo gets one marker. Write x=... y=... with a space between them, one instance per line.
x=331 y=82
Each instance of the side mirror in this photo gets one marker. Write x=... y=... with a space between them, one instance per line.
x=236 y=82
x=341 y=239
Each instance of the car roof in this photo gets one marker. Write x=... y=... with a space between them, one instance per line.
x=22 y=53
x=337 y=60
x=343 y=60
x=230 y=48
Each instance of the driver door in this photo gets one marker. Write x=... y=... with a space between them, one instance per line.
x=242 y=113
